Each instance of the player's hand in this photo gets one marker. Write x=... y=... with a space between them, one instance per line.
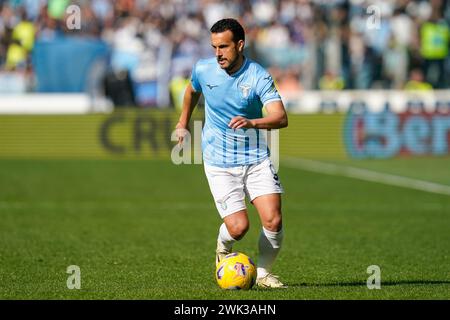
x=181 y=131
x=241 y=122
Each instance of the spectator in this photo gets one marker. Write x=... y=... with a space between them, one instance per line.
x=16 y=56
x=24 y=32
x=416 y=82
x=330 y=81
x=434 y=38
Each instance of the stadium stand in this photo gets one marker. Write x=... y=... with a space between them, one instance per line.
x=307 y=45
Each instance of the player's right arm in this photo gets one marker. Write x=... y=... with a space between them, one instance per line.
x=190 y=100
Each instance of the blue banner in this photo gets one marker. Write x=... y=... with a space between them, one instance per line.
x=65 y=64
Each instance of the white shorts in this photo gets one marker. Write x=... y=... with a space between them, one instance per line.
x=229 y=186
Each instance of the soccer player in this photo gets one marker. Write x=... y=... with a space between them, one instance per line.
x=236 y=157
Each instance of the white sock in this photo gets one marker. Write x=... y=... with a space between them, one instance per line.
x=269 y=246
x=225 y=238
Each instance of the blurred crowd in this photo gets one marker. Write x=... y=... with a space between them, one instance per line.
x=306 y=44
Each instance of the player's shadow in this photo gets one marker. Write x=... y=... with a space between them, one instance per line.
x=364 y=284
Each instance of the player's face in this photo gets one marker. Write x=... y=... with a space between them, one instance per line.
x=227 y=51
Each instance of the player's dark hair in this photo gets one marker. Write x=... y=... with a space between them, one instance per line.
x=232 y=25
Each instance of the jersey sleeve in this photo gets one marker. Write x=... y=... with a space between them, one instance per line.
x=194 y=79
x=266 y=89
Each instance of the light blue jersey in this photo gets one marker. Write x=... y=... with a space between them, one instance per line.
x=243 y=93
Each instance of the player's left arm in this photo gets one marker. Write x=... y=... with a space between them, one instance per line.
x=276 y=118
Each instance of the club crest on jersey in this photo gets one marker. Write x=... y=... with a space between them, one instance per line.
x=245 y=88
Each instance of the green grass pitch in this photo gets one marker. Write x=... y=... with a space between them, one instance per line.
x=147 y=230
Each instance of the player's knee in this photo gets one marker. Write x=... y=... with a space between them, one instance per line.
x=238 y=229
x=274 y=223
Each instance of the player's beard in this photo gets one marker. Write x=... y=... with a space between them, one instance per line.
x=232 y=64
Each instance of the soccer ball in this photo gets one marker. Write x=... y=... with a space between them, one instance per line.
x=236 y=272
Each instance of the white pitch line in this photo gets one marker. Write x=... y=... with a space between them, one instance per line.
x=367 y=175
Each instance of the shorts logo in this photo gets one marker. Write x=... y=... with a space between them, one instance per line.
x=223 y=203
x=275 y=177
x=277 y=181
x=245 y=90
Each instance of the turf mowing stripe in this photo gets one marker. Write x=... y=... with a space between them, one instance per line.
x=366 y=175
